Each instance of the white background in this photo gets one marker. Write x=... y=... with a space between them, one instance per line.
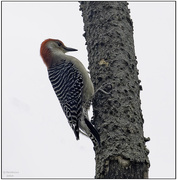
x=36 y=138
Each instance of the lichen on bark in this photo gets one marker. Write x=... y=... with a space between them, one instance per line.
x=116 y=104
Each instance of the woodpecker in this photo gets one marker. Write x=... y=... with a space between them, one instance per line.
x=72 y=85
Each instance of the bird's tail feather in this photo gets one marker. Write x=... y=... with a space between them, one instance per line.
x=95 y=137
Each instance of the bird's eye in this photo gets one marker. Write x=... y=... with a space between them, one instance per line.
x=59 y=44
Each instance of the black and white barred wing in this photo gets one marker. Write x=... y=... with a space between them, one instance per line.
x=68 y=85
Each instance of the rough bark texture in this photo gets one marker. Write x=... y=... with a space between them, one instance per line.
x=116 y=104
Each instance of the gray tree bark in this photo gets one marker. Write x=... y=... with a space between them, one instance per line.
x=116 y=104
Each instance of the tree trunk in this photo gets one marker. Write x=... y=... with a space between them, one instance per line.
x=116 y=104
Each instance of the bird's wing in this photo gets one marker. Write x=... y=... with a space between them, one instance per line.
x=68 y=85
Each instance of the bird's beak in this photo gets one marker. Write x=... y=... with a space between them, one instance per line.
x=70 y=49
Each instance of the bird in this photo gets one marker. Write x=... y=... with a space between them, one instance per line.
x=72 y=85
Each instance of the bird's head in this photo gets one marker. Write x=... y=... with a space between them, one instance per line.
x=52 y=45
